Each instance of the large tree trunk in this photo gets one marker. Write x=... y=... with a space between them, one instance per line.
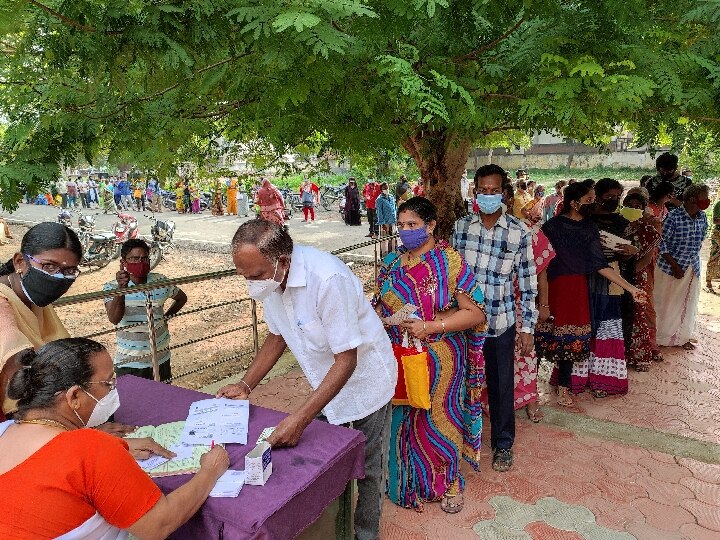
x=441 y=157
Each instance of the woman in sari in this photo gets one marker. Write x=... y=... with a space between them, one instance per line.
x=565 y=337
x=352 y=203
x=180 y=198
x=645 y=233
x=217 y=207
x=532 y=211
x=270 y=200
x=713 y=264
x=426 y=445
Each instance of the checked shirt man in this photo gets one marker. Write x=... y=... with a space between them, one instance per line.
x=499 y=248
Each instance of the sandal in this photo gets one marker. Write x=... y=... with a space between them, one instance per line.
x=564 y=398
x=534 y=414
x=689 y=346
x=642 y=367
x=452 y=505
x=598 y=394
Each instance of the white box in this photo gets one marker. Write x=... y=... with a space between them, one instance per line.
x=258 y=465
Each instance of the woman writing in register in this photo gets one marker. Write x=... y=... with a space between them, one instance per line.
x=74 y=483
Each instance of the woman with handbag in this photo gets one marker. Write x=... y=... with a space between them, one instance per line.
x=426 y=444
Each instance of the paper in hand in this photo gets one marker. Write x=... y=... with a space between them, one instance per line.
x=265 y=434
x=399 y=316
x=151 y=462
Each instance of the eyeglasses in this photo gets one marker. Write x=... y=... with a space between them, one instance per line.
x=137 y=259
x=112 y=383
x=54 y=269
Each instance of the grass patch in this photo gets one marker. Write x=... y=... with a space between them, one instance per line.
x=550 y=176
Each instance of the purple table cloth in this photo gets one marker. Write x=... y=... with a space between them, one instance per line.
x=304 y=481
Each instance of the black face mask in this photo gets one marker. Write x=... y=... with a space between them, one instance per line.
x=610 y=205
x=43 y=289
x=586 y=209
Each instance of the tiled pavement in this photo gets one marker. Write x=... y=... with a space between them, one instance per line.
x=567 y=485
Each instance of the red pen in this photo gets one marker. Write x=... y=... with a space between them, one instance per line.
x=212 y=444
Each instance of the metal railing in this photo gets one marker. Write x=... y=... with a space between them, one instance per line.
x=146 y=288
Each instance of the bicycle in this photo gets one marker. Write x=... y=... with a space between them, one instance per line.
x=329 y=195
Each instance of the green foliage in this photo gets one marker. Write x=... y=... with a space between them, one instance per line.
x=154 y=84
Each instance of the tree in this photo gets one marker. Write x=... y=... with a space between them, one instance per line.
x=435 y=77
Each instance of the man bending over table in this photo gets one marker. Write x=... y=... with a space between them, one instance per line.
x=315 y=305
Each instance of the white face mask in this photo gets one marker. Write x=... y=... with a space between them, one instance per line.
x=261 y=289
x=104 y=409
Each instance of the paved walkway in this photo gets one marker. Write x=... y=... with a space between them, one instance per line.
x=644 y=466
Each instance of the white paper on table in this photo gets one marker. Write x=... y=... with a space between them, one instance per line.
x=399 y=316
x=182 y=451
x=217 y=420
x=152 y=462
x=229 y=484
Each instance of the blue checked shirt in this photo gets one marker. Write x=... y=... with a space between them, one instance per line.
x=497 y=256
x=682 y=238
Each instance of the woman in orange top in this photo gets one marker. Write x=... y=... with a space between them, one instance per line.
x=71 y=482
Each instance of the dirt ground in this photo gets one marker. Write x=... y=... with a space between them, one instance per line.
x=199 y=356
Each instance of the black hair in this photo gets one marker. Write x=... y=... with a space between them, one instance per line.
x=55 y=367
x=421 y=206
x=489 y=170
x=560 y=184
x=589 y=182
x=660 y=190
x=573 y=193
x=604 y=185
x=521 y=185
x=644 y=180
x=44 y=237
x=510 y=190
x=667 y=161
x=635 y=196
x=271 y=239
x=131 y=244
x=384 y=184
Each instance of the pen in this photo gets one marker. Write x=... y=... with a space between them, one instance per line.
x=212 y=444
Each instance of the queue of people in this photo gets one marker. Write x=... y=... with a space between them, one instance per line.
x=594 y=289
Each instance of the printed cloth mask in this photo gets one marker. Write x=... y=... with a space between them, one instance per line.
x=489 y=204
x=104 y=408
x=414 y=238
x=703 y=204
x=140 y=269
x=631 y=214
x=261 y=289
x=41 y=288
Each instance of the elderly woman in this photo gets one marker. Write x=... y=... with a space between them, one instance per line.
x=426 y=445
x=270 y=200
x=72 y=482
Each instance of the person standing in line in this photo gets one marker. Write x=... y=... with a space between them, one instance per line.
x=72 y=193
x=126 y=193
x=92 y=193
x=133 y=352
x=232 y=193
x=180 y=198
x=551 y=201
x=660 y=196
x=499 y=248
x=521 y=199
x=386 y=215
x=352 y=203
x=153 y=190
x=667 y=171
x=83 y=191
x=713 y=264
x=371 y=191
x=316 y=306
x=217 y=207
x=677 y=281
x=62 y=190
x=138 y=196
x=309 y=197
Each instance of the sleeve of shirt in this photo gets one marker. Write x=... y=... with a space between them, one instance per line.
x=109 y=286
x=338 y=310
x=455 y=235
x=119 y=489
x=668 y=230
x=527 y=282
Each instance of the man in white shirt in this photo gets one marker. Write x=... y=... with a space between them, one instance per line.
x=315 y=305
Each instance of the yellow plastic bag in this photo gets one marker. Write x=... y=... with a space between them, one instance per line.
x=417 y=379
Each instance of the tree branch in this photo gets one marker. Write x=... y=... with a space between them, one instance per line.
x=471 y=55
x=67 y=21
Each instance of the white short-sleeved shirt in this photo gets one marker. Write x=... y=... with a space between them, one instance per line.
x=322 y=312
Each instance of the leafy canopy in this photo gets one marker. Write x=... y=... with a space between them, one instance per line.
x=140 y=80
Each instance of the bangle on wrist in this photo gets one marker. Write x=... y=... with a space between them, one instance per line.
x=442 y=322
x=545 y=305
x=246 y=386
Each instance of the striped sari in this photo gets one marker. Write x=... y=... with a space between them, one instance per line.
x=426 y=445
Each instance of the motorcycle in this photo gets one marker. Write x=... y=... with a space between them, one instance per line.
x=65 y=217
x=126 y=228
x=162 y=239
x=98 y=248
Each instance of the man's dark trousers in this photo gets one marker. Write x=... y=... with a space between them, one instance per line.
x=499 y=354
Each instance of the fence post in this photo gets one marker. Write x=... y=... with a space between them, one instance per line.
x=375 y=261
x=256 y=337
x=152 y=335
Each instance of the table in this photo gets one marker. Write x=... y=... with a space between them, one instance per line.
x=304 y=481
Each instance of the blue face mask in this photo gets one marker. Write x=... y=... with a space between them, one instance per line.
x=414 y=238
x=489 y=204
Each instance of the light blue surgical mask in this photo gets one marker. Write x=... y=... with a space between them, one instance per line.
x=489 y=204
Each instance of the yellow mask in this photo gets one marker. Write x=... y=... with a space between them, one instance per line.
x=631 y=214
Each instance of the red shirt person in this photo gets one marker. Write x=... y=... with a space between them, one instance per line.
x=371 y=192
